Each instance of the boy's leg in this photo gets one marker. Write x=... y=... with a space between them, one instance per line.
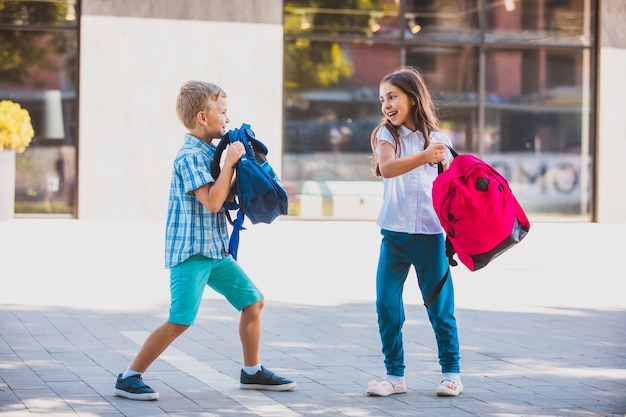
x=132 y=385
x=228 y=279
x=258 y=378
x=250 y=333
x=187 y=283
x=155 y=344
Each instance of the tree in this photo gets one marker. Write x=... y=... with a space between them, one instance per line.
x=23 y=50
x=322 y=64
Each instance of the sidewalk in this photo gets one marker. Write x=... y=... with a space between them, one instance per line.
x=542 y=328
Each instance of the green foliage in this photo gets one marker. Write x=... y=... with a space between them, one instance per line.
x=23 y=50
x=316 y=64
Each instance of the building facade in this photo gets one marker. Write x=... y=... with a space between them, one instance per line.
x=532 y=86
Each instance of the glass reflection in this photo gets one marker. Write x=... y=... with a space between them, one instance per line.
x=39 y=70
x=539 y=99
x=536 y=131
x=38 y=13
x=512 y=80
x=453 y=20
x=331 y=108
x=451 y=73
x=566 y=22
x=374 y=18
x=333 y=86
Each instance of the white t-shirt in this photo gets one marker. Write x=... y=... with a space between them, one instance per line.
x=407 y=198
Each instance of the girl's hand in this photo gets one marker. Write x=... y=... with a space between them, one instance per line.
x=234 y=152
x=435 y=153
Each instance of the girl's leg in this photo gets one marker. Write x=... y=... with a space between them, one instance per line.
x=390 y=278
x=431 y=266
x=441 y=315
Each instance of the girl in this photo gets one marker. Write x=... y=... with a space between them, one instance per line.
x=407 y=147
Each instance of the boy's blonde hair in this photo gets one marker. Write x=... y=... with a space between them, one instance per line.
x=196 y=96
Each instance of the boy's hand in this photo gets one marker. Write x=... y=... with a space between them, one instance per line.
x=234 y=152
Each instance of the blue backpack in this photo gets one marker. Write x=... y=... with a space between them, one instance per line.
x=259 y=193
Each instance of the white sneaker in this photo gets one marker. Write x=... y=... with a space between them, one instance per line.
x=384 y=388
x=449 y=387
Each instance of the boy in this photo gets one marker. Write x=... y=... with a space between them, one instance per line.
x=197 y=246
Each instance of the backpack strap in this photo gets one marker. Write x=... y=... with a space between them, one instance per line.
x=449 y=248
x=450 y=252
x=254 y=143
x=246 y=136
x=233 y=244
x=437 y=290
x=219 y=150
x=215 y=170
x=237 y=224
x=454 y=155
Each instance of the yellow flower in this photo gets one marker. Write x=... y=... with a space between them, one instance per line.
x=16 y=129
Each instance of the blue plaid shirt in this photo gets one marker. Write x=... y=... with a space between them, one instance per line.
x=191 y=228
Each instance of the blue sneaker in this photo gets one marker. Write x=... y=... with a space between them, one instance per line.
x=134 y=388
x=265 y=380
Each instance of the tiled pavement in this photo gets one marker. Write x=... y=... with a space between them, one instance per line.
x=542 y=328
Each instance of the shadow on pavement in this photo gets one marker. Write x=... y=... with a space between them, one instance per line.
x=560 y=362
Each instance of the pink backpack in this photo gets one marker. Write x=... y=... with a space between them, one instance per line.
x=479 y=213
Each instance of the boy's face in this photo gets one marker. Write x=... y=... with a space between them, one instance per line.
x=214 y=121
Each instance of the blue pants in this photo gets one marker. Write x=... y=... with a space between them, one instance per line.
x=398 y=251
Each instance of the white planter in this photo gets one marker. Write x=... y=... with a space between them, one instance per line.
x=7 y=184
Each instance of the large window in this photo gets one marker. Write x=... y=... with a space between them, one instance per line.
x=512 y=80
x=39 y=70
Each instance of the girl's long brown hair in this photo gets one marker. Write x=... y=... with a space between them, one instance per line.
x=410 y=81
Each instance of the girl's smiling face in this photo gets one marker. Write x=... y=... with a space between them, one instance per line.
x=396 y=105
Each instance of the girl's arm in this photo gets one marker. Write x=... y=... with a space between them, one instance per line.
x=391 y=166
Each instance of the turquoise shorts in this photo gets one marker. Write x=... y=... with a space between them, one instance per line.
x=189 y=279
